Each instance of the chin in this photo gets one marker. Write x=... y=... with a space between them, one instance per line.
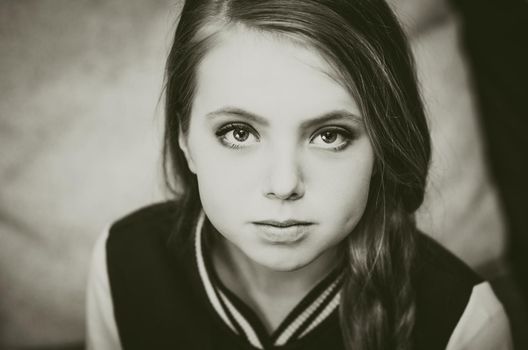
x=284 y=263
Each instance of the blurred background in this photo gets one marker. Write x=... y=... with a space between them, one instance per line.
x=80 y=140
x=79 y=144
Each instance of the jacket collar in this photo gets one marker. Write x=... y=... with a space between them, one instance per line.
x=314 y=308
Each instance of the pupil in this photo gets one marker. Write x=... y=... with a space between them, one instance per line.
x=241 y=135
x=329 y=136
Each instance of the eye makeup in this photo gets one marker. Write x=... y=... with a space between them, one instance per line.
x=238 y=135
x=334 y=131
x=326 y=137
x=235 y=134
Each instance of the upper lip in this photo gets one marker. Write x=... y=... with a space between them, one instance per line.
x=283 y=223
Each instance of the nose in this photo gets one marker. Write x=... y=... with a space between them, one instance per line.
x=284 y=180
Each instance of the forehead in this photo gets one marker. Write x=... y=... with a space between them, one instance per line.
x=269 y=75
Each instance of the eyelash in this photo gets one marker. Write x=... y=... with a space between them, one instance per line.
x=223 y=130
x=348 y=135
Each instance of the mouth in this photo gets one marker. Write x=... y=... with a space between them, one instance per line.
x=283 y=232
x=285 y=223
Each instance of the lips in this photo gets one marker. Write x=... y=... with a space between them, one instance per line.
x=285 y=223
x=283 y=232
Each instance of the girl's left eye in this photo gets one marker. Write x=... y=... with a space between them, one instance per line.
x=334 y=138
x=236 y=135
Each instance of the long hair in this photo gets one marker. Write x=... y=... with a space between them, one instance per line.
x=364 y=43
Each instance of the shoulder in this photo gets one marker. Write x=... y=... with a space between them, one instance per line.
x=157 y=217
x=436 y=264
x=455 y=308
x=101 y=329
x=483 y=325
x=443 y=285
x=151 y=280
x=137 y=247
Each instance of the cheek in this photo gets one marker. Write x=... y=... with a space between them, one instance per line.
x=227 y=173
x=342 y=188
x=224 y=176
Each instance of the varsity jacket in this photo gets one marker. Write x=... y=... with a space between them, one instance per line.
x=166 y=298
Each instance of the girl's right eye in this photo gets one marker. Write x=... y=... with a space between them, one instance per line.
x=237 y=135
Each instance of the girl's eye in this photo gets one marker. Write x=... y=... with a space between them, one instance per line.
x=334 y=138
x=236 y=135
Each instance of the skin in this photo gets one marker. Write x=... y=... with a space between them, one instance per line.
x=285 y=166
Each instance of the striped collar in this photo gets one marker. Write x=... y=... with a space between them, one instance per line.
x=315 y=307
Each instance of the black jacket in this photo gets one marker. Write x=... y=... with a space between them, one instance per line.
x=160 y=303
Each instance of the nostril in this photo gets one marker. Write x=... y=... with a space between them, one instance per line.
x=283 y=178
x=285 y=188
x=289 y=196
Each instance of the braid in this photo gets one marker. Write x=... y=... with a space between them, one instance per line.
x=377 y=303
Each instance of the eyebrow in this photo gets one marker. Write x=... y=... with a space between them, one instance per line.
x=335 y=115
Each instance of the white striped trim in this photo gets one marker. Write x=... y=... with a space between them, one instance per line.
x=334 y=304
x=242 y=322
x=213 y=299
x=294 y=325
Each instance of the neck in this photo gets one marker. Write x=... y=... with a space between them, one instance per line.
x=270 y=293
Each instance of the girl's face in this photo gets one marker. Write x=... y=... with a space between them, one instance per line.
x=279 y=148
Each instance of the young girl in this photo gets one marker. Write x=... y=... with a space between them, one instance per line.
x=299 y=152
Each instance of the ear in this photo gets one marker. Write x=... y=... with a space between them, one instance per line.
x=182 y=142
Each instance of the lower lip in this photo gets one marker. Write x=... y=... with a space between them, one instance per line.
x=283 y=235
